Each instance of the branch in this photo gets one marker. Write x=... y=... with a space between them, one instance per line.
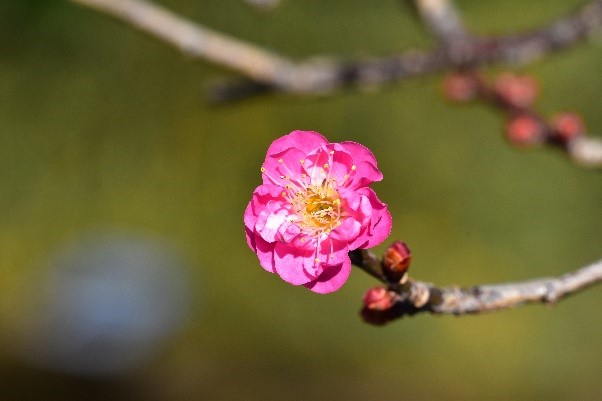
x=486 y=298
x=525 y=127
x=586 y=151
x=197 y=41
x=443 y=19
x=411 y=296
x=268 y=71
x=464 y=51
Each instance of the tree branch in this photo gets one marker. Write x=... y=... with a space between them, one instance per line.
x=443 y=19
x=269 y=71
x=586 y=151
x=412 y=296
x=462 y=51
x=486 y=298
x=197 y=41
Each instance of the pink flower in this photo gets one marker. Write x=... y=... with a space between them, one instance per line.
x=313 y=207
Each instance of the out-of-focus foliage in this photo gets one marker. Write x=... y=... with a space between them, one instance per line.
x=103 y=127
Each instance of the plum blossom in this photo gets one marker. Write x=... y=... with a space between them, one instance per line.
x=313 y=207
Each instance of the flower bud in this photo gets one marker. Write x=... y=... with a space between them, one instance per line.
x=524 y=130
x=379 y=298
x=567 y=126
x=379 y=306
x=518 y=91
x=460 y=87
x=396 y=261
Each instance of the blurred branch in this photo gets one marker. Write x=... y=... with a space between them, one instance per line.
x=443 y=19
x=197 y=41
x=463 y=52
x=415 y=296
x=263 y=4
x=586 y=151
x=525 y=127
x=268 y=71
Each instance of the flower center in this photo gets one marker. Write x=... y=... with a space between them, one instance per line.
x=318 y=208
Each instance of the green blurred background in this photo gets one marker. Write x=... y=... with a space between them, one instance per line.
x=103 y=127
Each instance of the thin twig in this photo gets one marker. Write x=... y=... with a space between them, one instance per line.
x=417 y=296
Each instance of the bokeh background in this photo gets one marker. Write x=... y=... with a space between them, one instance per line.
x=124 y=272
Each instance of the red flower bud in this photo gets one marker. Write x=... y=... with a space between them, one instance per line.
x=567 y=125
x=518 y=91
x=524 y=130
x=396 y=261
x=460 y=87
x=379 y=298
x=379 y=306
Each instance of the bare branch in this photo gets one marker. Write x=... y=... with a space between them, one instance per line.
x=465 y=52
x=416 y=296
x=197 y=41
x=586 y=151
x=443 y=19
x=514 y=96
x=263 y=4
x=269 y=71
x=486 y=298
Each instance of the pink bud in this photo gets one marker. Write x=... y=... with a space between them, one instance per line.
x=379 y=306
x=524 y=130
x=379 y=299
x=460 y=87
x=568 y=125
x=518 y=91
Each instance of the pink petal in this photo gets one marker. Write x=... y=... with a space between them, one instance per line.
x=265 y=253
x=329 y=162
x=288 y=232
x=381 y=224
x=278 y=166
x=314 y=165
x=341 y=165
x=332 y=251
x=294 y=265
x=357 y=205
x=261 y=196
x=305 y=141
x=380 y=221
x=365 y=207
x=347 y=231
x=366 y=170
x=269 y=221
x=359 y=152
x=250 y=239
x=331 y=279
